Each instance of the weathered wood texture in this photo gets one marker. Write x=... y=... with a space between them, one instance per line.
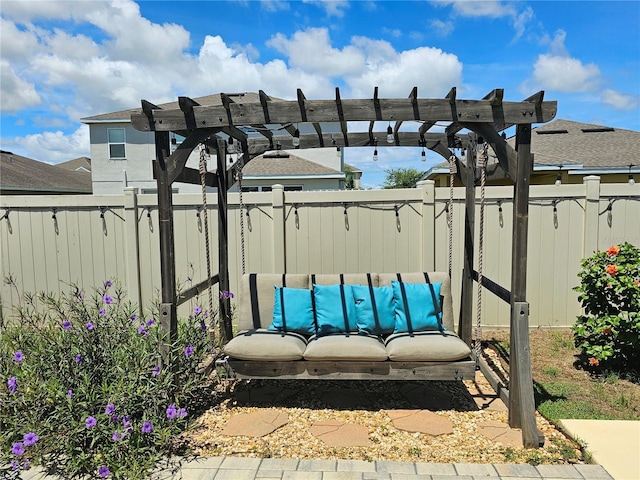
x=355 y=110
x=343 y=370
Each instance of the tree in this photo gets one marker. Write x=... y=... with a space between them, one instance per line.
x=349 y=178
x=401 y=178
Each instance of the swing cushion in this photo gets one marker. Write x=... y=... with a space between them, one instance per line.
x=340 y=346
x=385 y=308
x=429 y=346
x=293 y=311
x=331 y=306
x=261 y=344
x=422 y=312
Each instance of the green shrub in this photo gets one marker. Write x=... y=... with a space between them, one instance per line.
x=85 y=391
x=609 y=332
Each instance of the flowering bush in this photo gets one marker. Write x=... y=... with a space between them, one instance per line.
x=85 y=391
x=609 y=331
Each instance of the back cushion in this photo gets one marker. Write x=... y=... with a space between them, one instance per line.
x=256 y=296
x=445 y=291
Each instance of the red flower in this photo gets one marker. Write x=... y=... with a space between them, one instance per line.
x=613 y=250
x=594 y=361
x=612 y=269
x=636 y=283
x=606 y=331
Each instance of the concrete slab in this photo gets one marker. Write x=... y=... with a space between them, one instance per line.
x=593 y=472
x=435 y=469
x=476 y=469
x=516 y=470
x=614 y=444
x=558 y=471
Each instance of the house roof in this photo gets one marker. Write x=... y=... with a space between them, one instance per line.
x=581 y=147
x=208 y=100
x=80 y=164
x=564 y=142
x=18 y=173
x=285 y=163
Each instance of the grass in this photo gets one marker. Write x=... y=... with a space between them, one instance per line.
x=564 y=391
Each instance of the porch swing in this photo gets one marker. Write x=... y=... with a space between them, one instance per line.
x=232 y=116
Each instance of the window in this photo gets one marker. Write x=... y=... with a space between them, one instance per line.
x=116 y=143
x=287 y=188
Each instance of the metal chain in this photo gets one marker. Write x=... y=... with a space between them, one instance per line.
x=481 y=159
x=452 y=172
x=203 y=182
x=239 y=166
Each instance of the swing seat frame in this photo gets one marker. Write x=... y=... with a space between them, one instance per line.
x=256 y=352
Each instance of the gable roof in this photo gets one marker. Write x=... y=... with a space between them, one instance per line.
x=25 y=175
x=565 y=142
x=285 y=163
x=80 y=164
x=208 y=100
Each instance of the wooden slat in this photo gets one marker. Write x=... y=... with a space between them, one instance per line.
x=434 y=110
x=498 y=290
x=351 y=370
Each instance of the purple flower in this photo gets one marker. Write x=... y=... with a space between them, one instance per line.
x=17 y=448
x=117 y=436
x=203 y=327
x=188 y=351
x=102 y=312
x=89 y=326
x=107 y=299
x=30 y=438
x=107 y=283
x=197 y=309
x=171 y=412
x=110 y=409
x=78 y=358
x=224 y=295
x=115 y=419
x=18 y=356
x=147 y=427
x=66 y=324
x=69 y=393
x=90 y=422
x=133 y=317
x=182 y=412
x=12 y=383
x=142 y=330
x=156 y=371
x=104 y=471
x=150 y=322
x=14 y=465
x=126 y=423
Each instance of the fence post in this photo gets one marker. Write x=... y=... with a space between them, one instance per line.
x=132 y=246
x=428 y=188
x=591 y=214
x=279 y=246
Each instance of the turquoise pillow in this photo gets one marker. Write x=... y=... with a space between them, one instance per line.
x=331 y=306
x=293 y=311
x=366 y=320
x=423 y=304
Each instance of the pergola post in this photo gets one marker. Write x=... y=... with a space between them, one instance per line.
x=522 y=407
x=168 y=310
x=224 y=303
x=465 y=322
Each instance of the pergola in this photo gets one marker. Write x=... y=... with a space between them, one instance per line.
x=277 y=121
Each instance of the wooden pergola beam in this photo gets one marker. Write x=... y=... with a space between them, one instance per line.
x=409 y=109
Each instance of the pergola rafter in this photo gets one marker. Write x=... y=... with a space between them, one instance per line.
x=275 y=123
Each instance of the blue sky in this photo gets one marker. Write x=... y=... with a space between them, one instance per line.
x=61 y=61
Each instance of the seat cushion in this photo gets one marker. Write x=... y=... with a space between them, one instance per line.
x=343 y=347
x=266 y=345
x=430 y=346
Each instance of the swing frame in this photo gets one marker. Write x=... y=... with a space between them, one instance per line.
x=214 y=125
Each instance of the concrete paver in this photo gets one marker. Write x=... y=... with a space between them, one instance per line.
x=476 y=469
x=614 y=444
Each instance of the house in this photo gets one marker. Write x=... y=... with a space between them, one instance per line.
x=121 y=156
x=25 y=176
x=80 y=164
x=566 y=151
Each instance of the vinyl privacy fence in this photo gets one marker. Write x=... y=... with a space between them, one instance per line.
x=49 y=243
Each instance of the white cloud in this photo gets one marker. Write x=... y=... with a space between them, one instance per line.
x=311 y=50
x=565 y=74
x=333 y=8
x=479 y=8
x=16 y=93
x=17 y=43
x=619 y=101
x=441 y=27
x=52 y=147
